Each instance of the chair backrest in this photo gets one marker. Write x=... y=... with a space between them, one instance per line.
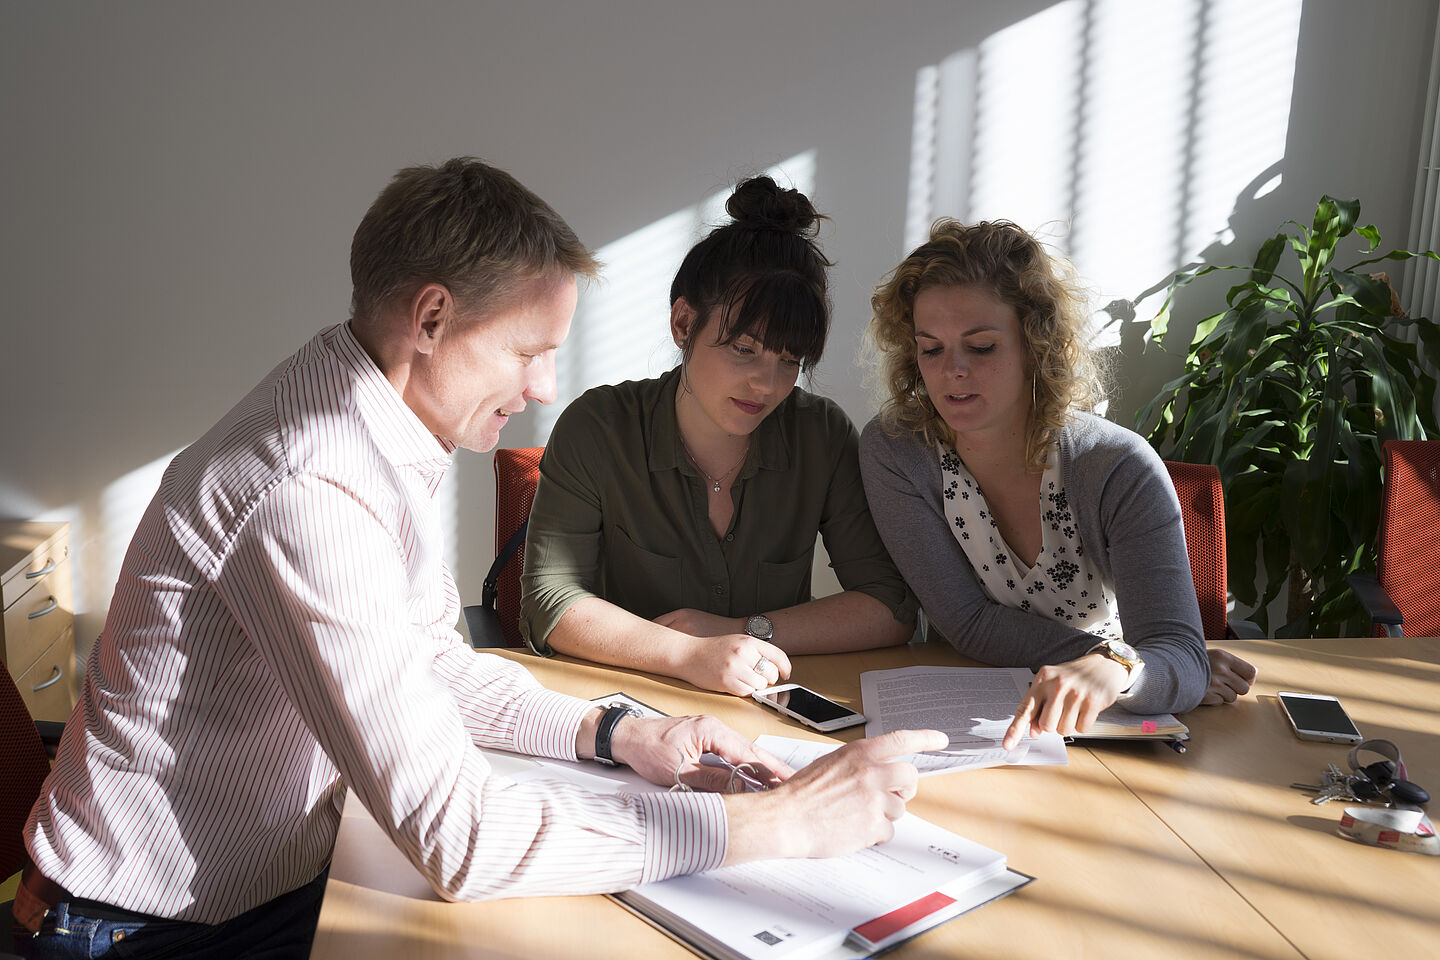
x=516 y=474
x=1409 y=566
x=23 y=768
x=1202 y=506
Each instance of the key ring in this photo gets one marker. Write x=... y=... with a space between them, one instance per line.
x=1387 y=776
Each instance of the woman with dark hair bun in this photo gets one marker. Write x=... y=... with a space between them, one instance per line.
x=674 y=525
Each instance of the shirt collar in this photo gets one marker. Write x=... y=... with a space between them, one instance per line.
x=769 y=445
x=402 y=438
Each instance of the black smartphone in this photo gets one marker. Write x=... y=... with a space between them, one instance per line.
x=809 y=707
x=1316 y=717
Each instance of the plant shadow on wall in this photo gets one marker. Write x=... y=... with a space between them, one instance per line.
x=1290 y=390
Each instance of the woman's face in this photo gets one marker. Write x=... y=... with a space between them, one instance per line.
x=735 y=385
x=971 y=356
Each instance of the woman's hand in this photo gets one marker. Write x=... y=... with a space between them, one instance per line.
x=1229 y=677
x=725 y=660
x=698 y=623
x=1065 y=698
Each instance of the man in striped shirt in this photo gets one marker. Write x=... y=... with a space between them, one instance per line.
x=283 y=629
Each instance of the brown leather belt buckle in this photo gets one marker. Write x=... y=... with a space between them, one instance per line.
x=36 y=894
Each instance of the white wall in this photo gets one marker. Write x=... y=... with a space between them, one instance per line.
x=181 y=179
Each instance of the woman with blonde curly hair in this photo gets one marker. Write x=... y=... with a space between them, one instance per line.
x=1034 y=533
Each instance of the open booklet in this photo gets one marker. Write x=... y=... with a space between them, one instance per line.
x=840 y=908
x=975 y=705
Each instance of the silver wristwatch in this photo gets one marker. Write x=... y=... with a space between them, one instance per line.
x=760 y=627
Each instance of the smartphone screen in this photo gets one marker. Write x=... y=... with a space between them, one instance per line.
x=1319 y=713
x=809 y=705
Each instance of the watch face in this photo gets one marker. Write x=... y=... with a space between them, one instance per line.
x=759 y=626
x=1124 y=649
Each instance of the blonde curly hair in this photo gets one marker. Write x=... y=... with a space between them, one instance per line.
x=1054 y=323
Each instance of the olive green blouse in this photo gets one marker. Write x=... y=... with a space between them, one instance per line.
x=620 y=513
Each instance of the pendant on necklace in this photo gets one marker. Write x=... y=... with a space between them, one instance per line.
x=716 y=488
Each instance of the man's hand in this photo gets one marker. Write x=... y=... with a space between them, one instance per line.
x=1065 y=697
x=658 y=748
x=841 y=802
x=730 y=662
x=1229 y=677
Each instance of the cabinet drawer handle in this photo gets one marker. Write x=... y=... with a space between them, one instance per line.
x=37 y=574
x=55 y=675
x=40 y=613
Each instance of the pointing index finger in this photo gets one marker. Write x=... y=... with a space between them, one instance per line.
x=1019 y=724
x=898 y=743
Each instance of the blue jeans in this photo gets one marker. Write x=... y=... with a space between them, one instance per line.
x=281 y=929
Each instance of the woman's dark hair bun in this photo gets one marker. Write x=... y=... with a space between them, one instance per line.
x=761 y=204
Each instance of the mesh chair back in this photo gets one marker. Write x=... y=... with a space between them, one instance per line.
x=1409 y=567
x=1202 y=506
x=23 y=768
x=516 y=474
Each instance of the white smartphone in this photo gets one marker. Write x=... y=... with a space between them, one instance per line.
x=1316 y=717
x=808 y=707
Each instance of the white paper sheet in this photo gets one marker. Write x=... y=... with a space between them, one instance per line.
x=972 y=706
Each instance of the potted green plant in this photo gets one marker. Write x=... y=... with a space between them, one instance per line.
x=1289 y=391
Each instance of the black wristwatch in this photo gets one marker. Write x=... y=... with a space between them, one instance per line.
x=605 y=729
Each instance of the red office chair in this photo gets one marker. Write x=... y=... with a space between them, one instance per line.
x=25 y=766
x=494 y=622
x=1202 y=508
x=1402 y=598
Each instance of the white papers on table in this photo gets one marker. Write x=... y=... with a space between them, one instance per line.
x=972 y=705
x=793 y=909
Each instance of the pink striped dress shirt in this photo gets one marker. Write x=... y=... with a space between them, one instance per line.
x=282 y=629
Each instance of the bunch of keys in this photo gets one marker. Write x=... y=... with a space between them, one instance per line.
x=1333 y=785
x=1374 y=783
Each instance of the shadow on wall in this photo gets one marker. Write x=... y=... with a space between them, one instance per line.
x=1125 y=131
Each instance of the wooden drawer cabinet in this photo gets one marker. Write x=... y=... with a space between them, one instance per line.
x=50 y=685
x=38 y=642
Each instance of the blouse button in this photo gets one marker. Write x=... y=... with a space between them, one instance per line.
x=729 y=537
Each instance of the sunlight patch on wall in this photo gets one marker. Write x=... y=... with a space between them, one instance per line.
x=1247 y=71
x=1027 y=119
x=1124 y=131
x=621 y=329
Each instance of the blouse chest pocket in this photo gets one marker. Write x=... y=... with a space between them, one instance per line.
x=784 y=584
x=641 y=581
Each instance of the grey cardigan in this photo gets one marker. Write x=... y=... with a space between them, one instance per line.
x=1129 y=521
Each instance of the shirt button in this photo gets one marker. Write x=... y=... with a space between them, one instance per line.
x=729 y=537
x=719 y=590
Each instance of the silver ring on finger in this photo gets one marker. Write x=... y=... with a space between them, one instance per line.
x=760 y=666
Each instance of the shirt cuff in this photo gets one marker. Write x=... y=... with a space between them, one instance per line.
x=684 y=833
x=547 y=725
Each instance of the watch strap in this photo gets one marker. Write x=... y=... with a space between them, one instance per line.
x=605 y=730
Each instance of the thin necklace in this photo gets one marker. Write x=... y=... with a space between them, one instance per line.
x=714 y=481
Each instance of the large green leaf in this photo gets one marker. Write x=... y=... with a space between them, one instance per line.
x=1371 y=294
x=1393 y=255
x=1251 y=325
x=1392 y=396
x=1268 y=259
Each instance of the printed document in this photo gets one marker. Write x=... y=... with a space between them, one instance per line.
x=973 y=706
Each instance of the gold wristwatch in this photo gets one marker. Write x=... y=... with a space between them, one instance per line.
x=1122 y=653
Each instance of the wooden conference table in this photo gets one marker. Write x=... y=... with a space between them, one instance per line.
x=1137 y=851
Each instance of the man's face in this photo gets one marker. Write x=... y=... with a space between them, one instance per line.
x=484 y=368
